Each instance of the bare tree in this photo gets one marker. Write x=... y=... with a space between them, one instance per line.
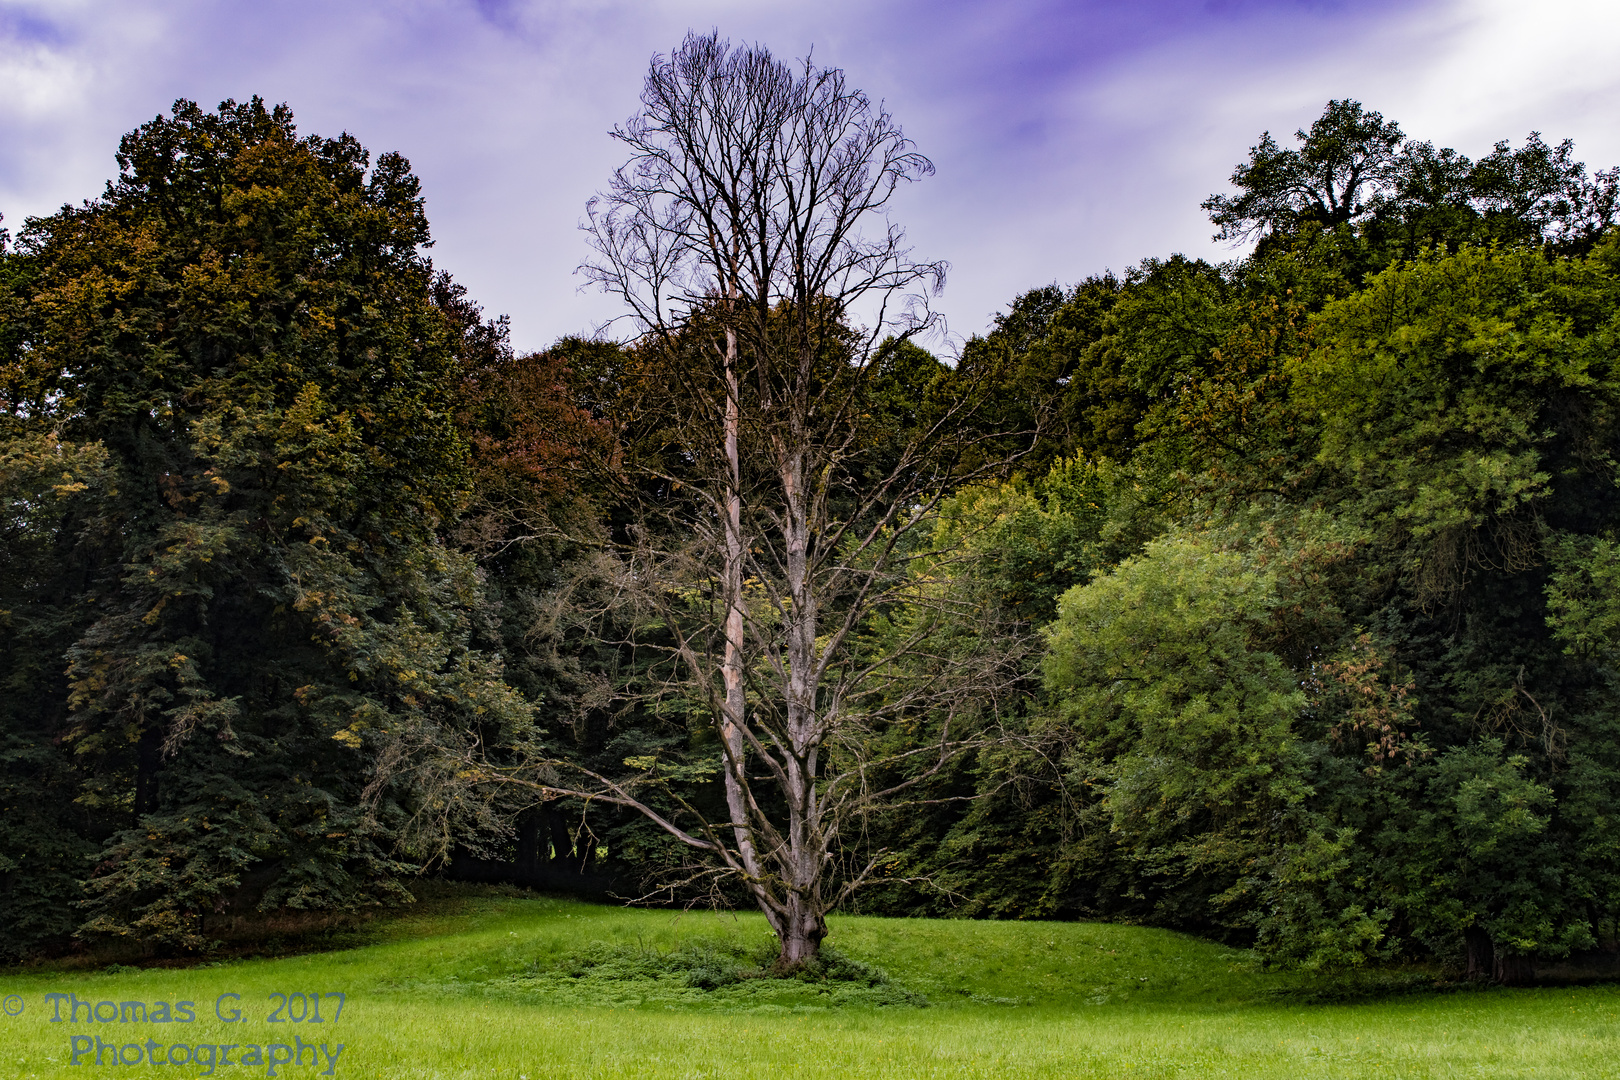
x=748 y=236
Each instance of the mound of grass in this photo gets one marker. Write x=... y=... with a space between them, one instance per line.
x=706 y=976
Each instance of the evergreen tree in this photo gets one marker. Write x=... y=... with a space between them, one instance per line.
x=239 y=346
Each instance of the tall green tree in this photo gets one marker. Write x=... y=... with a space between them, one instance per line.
x=1356 y=173
x=1366 y=714
x=259 y=619
x=1343 y=163
x=1358 y=545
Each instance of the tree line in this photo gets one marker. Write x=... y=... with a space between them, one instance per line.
x=1270 y=599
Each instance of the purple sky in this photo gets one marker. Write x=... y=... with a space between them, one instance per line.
x=1070 y=137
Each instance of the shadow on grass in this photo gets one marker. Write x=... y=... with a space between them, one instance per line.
x=264 y=935
x=1368 y=986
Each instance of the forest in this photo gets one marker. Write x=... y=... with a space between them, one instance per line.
x=1274 y=600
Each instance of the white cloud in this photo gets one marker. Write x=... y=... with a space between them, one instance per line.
x=503 y=106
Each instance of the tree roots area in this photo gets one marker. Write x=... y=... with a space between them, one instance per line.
x=488 y=982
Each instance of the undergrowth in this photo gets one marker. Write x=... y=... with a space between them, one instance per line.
x=706 y=975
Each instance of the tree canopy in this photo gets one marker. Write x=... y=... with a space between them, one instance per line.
x=230 y=446
x=1272 y=599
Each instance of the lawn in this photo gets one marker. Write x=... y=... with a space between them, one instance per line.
x=481 y=984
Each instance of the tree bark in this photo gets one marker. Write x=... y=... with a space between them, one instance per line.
x=528 y=840
x=1515 y=969
x=148 y=768
x=805 y=927
x=1481 y=954
x=733 y=709
x=562 y=844
x=1487 y=961
x=808 y=847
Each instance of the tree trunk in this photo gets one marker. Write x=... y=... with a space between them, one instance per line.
x=1481 y=954
x=804 y=924
x=148 y=765
x=801 y=935
x=1486 y=961
x=736 y=701
x=1515 y=969
x=528 y=841
x=562 y=844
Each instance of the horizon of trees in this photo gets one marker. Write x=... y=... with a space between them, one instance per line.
x=1297 y=571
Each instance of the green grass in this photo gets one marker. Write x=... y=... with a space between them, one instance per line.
x=489 y=985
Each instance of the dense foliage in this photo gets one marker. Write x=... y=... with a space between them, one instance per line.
x=229 y=450
x=1302 y=603
x=1335 y=677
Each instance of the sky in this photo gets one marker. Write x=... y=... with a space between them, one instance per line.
x=1069 y=136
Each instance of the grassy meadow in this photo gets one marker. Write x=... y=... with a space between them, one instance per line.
x=481 y=983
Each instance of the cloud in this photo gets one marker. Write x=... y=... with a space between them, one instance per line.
x=1070 y=136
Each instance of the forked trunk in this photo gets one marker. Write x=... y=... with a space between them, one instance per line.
x=801 y=935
